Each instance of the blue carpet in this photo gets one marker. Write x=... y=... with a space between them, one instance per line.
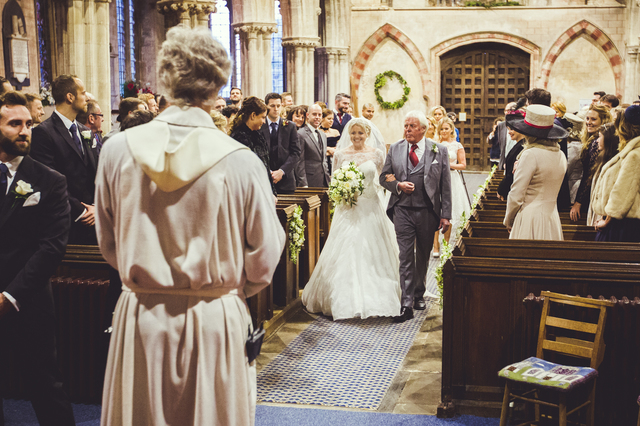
x=20 y=413
x=285 y=416
x=347 y=363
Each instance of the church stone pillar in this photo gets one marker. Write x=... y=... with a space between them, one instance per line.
x=632 y=83
x=333 y=72
x=255 y=48
x=189 y=14
x=300 y=68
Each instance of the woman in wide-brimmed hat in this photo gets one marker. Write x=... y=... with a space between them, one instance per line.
x=532 y=212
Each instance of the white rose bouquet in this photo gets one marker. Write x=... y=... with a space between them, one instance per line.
x=346 y=184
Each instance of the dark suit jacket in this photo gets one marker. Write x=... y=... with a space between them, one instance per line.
x=507 y=180
x=51 y=144
x=315 y=158
x=34 y=237
x=285 y=156
x=340 y=126
x=501 y=139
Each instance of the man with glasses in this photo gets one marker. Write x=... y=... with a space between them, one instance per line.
x=93 y=119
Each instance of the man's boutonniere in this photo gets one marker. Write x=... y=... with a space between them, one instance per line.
x=21 y=190
x=285 y=122
x=86 y=135
x=434 y=148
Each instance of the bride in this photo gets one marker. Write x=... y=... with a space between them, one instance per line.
x=357 y=273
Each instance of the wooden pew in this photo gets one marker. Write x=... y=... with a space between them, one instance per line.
x=498 y=216
x=325 y=210
x=286 y=278
x=499 y=231
x=311 y=215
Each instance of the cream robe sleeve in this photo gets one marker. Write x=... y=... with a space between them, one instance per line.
x=105 y=227
x=527 y=165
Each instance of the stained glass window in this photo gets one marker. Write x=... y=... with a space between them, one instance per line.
x=122 y=66
x=132 y=49
x=276 y=53
x=43 y=44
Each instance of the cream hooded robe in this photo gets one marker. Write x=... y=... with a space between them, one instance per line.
x=187 y=217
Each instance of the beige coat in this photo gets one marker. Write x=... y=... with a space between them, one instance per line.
x=616 y=192
x=187 y=217
x=532 y=210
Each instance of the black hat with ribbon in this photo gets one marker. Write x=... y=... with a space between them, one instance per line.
x=537 y=121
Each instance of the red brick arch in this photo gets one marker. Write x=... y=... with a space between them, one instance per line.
x=596 y=36
x=369 y=46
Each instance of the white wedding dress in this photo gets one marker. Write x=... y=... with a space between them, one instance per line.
x=357 y=273
x=459 y=200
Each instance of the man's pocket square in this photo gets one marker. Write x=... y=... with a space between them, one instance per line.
x=33 y=200
x=434 y=162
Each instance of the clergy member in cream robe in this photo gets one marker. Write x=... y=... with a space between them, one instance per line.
x=186 y=215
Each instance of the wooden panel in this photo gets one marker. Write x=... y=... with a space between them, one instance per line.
x=572 y=325
x=566 y=348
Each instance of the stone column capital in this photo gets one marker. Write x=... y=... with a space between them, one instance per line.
x=178 y=7
x=333 y=51
x=301 y=41
x=253 y=29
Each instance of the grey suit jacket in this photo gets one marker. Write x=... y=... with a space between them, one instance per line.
x=437 y=177
x=315 y=157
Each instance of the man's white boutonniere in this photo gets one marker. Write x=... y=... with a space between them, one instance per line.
x=86 y=135
x=21 y=190
x=434 y=148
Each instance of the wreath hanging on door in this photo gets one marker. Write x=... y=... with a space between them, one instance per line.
x=381 y=81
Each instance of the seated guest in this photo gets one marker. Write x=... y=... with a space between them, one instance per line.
x=245 y=128
x=313 y=144
x=532 y=212
x=505 y=184
x=610 y=101
x=150 y=100
x=617 y=189
x=126 y=107
x=368 y=110
x=136 y=118
x=93 y=119
x=597 y=115
x=34 y=104
x=574 y=148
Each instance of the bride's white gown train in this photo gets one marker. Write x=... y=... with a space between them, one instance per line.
x=357 y=273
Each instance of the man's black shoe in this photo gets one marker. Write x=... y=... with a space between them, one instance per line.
x=405 y=314
x=419 y=304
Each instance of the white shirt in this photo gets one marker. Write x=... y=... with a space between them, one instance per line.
x=269 y=122
x=13 y=168
x=419 y=149
x=313 y=132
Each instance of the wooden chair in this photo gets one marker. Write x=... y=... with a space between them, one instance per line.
x=539 y=374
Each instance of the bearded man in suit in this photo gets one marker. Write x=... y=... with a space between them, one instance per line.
x=34 y=226
x=340 y=115
x=416 y=173
x=67 y=147
x=284 y=150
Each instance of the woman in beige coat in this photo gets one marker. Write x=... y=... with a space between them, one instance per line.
x=616 y=193
x=532 y=212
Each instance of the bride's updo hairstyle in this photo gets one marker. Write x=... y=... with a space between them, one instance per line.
x=192 y=66
x=362 y=122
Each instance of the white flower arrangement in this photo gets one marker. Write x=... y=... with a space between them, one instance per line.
x=296 y=234
x=45 y=94
x=346 y=184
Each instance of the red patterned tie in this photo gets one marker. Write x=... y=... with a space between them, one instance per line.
x=413 y=156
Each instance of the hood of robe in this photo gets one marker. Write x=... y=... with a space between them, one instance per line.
x=179 y=146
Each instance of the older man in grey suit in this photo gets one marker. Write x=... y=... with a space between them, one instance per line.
x=417 y=174
x=313 y=144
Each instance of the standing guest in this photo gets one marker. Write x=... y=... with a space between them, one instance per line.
x=34 y=229
x=245 y=128
x=597 y=96
x=313 y=144
x=597 y=115
x=333 y=135
x=368 y=110
x=284 y=149
x=532 y=212
x=229 y=112
x=93 y=119
x=538 y=96
x=126 y=107
x=150 y=101
x=454 y=117
x=509 y=164
x=5 y=86
x=177 y=353
x=235 y=96
x=574 y=148
x=617 y=188
x=438 y=113
x=501 y=135
x=610 y=101
x=34 y=104
x=220 y=104
x=432 y=131
x=561 y=109
x=59 y=144
x=287 y=99
x=322 y=104
x=350 y=110
x=136 y=118
x=457 y=163
x=494 y=152
x=298 y=116
x=608 y=143
x=341 y=116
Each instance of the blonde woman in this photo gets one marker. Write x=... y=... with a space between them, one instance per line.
x=438 y=112
x=457 y=163
x=432 y=130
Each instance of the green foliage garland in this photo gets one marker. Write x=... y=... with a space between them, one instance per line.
x=296 y=234
x=381 y=80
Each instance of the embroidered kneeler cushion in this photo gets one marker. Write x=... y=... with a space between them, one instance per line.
x=539 y=372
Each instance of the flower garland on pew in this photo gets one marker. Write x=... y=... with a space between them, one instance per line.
x=296 y=234
x=381 y=81
x=446 y=250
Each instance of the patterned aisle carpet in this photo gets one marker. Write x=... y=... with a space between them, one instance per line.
x=347 y=363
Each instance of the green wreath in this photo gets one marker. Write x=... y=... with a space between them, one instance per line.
x=381 y=80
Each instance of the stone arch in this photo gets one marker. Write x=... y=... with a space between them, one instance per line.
x=597 y=37
x=483 y=37
x=369 y=47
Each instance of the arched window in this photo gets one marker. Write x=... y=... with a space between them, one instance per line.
x=43 y=43
x=277 y=55
x=220 y=23
x=126 y=42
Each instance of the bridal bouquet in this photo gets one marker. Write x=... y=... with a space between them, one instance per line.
x=346 y=184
